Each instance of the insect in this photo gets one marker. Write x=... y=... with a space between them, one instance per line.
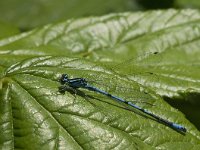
x=76 y=83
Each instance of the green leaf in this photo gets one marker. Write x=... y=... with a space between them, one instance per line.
x=37 y=115
x=34 y=115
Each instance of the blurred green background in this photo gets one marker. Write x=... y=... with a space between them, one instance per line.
x=24 y=15
x=27 y=14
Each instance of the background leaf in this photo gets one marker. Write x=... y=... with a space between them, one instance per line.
x=7 y=30
x=187 y=4
x=40 y=12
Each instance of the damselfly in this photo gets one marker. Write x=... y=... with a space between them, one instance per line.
x=76 y=83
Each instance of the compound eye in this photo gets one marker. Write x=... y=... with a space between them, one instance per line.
x=63 y=78
x=64 y=75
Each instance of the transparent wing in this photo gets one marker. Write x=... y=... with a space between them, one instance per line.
x=115 y=85
x=143 y=69
x=150 y=70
